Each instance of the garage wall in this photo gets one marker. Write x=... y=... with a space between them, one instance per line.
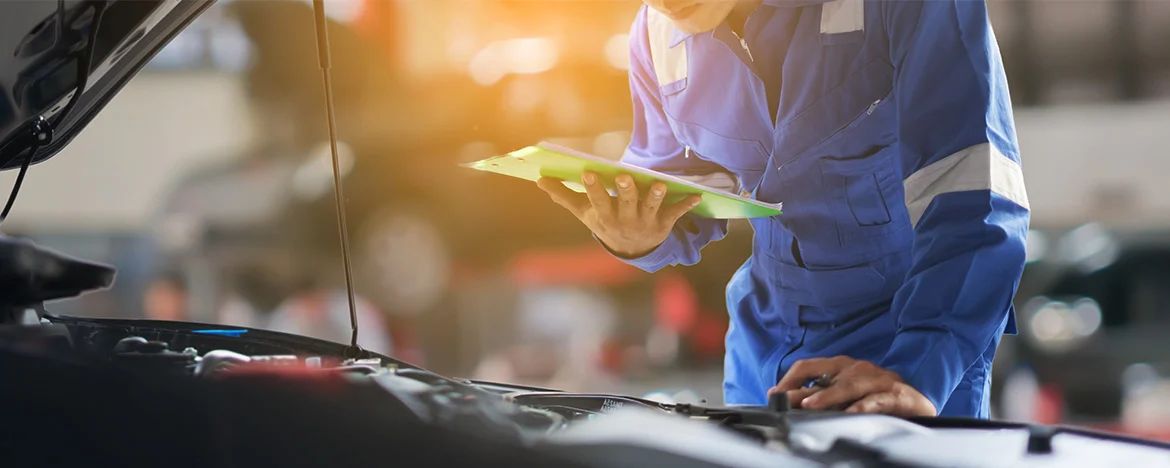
x=113 y=174
x=1097 y=162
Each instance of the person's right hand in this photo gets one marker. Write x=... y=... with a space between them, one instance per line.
x=631 y=224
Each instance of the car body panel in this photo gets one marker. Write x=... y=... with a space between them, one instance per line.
x=45 y=44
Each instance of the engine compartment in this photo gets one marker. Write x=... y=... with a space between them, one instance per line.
x=111 y=392
x=210 y=363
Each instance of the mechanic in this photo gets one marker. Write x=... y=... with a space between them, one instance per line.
x=885 y=128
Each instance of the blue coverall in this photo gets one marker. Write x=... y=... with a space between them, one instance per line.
x=885 y=128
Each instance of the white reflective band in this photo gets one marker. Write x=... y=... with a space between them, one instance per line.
x=980 y=167
x=842 y=16
x=670 y=63
x=715 y=180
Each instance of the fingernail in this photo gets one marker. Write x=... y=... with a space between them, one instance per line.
x=808 y=402
x=623 y=182
x=658 y=192
x=589 y=177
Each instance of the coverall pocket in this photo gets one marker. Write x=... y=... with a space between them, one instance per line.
x=856 y=184
x=863 y=195
x=866 y=200
x=842 y=38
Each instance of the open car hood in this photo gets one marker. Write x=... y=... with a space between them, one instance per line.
x=48 y=48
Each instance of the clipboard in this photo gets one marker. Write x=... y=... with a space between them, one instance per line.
x=556 y=162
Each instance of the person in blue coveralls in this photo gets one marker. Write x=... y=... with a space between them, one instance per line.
x=885 y=128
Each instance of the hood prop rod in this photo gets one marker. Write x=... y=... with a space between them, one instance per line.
x=353 y=351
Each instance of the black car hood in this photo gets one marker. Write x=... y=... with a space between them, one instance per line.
x=48 y=48
x=121 y=393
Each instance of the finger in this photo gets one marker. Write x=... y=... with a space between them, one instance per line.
x=653 y=199
x=598 y=197
x=627 y=198
x=848 y=389
x=670 y=214
x=797 y=396
x=900 y=400
x=877 y=403
x=570 y=200
x=800 y=393
x=808 y=369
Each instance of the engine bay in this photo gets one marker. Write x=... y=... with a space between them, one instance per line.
x=593 y=429
x=118 y=391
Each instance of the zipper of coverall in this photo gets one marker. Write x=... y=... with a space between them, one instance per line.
x=743 y=43
x=864 y=112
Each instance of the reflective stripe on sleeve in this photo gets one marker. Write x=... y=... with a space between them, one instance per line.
x=980 y=167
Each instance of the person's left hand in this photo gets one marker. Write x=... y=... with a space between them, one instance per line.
x=855 y=386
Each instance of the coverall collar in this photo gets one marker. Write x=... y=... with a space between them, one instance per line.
x=678 y=36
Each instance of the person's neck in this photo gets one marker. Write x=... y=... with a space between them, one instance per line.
x=737 y=20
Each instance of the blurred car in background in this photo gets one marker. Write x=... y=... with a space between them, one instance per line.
x=1093 y=312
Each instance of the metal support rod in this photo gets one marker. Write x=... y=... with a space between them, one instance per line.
x=323 y=57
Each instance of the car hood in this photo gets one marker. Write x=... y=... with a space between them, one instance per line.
x=49 y=48
x=180 y=385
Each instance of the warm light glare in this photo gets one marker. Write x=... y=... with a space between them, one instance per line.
x=526 y=95
x=343 y=11
x=527 y=56
x=531 y=56
x=617 y=51
x=611 y=144
x=314 y=177
x=476 y=151
x=486 y=68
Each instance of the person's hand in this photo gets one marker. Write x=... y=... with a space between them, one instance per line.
x=632 y=224
x=855 y=386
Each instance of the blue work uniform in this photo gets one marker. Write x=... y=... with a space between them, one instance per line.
x=885 y=128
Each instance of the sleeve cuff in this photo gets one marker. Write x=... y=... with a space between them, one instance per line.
x=658 y=258
x=928 y=361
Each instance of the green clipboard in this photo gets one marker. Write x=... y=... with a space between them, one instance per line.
x=556 y=162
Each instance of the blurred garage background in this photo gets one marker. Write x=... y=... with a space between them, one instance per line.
x=223 y=210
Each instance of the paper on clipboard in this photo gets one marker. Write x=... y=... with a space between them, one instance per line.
x=553 y=161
